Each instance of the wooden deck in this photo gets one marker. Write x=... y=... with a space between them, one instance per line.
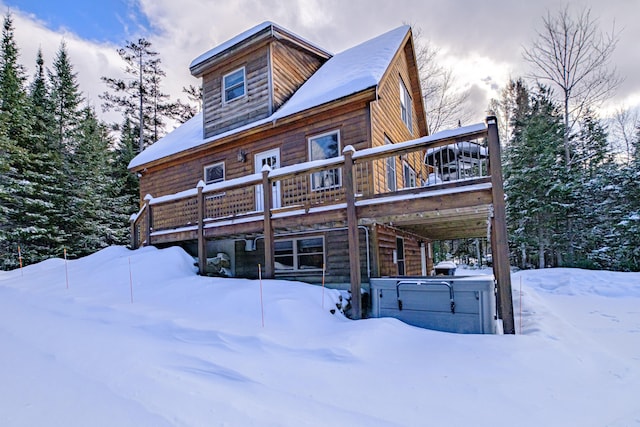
x=465 y=206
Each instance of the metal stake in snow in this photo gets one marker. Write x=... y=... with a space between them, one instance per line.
x=130 y=281
x=20 y=261
x=66 y=270
x=261 y=301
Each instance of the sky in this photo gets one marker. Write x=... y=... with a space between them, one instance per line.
x=480 y=40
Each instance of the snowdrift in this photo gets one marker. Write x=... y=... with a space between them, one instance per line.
x=136 y=338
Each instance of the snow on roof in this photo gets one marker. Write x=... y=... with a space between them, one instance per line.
x=347 y=73
x=180 y=139
x=244 y=36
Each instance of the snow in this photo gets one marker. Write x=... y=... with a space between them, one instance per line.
x=244 y=36
x=349 y=72
x=192 y=351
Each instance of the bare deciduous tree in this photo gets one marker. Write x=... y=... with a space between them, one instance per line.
x=573 y=53
x=445 y=105
x=623 y=129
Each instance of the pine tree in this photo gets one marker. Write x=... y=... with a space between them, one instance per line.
x=91 y=201
x=125 y=191
x=65 y=99
x=47 y=163
x=140 y=98
x=532 y=177
x=17 y=188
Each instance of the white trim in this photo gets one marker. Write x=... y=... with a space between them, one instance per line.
x=212 y=165
x=244 y=85
x=276 y=193
x=406 y=103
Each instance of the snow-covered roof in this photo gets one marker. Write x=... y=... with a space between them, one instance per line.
x=247 y=35
x=347 y=73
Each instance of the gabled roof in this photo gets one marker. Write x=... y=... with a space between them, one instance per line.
x=256 y=33
x=347 y=73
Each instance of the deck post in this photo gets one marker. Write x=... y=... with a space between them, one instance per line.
x=269 y=249
x=149 y=220
x=499 y=239
x=202 y=244
x=352 y=224
x=133 y=241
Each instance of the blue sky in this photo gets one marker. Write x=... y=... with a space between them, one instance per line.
x=101 y=20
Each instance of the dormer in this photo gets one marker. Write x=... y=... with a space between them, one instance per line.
x=250 y=76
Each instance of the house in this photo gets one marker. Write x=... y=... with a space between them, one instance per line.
x=312 y=166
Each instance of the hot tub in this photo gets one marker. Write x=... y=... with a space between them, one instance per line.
x=447 y=303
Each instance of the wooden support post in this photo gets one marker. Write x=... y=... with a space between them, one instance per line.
x=352 y=224
x=269 y=248
x=149 y=221
x=133 y=241
x=202 y=244
x=499 y=238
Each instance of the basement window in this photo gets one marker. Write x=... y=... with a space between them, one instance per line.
x=301 y=254
x=234 y=85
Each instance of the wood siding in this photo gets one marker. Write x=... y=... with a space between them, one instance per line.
x=219 y=116
x=386 y=243
x=387 y=122
x=352 y=121
x=291 y=67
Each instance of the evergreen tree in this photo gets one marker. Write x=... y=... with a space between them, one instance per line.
x=125 y=191
x=533 y=180
x=65 y=99
x=17 y=188
x=91 y=200
x=140 y=98
x=46 y=159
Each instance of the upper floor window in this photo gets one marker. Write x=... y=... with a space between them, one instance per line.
x=234 y=85
x=325 y=146
x=214 y=173
x=409 y=176
x=390 y=169
x=405 y=106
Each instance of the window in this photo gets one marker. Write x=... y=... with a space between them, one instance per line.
x=214 y=173
x=405 y=107
x=409 y=176
x=390 y=170
x=304 y=254
x=233 y=85
x=322 y=147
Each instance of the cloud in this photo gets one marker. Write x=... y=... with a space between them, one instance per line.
x=482 y=43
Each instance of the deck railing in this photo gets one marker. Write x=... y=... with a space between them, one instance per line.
x=450 y=158
x=455 y=158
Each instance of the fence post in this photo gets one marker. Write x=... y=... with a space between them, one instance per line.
x=352 y=224
x=499 y=239
x=269 y=249
x=202 y=244
x=133 y=241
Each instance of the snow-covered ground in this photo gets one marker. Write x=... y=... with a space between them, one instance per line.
x=192 y=351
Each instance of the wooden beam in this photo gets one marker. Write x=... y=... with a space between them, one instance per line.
x=202 y=245
x=352 y=223
x=269 y=249
x=499 y=239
